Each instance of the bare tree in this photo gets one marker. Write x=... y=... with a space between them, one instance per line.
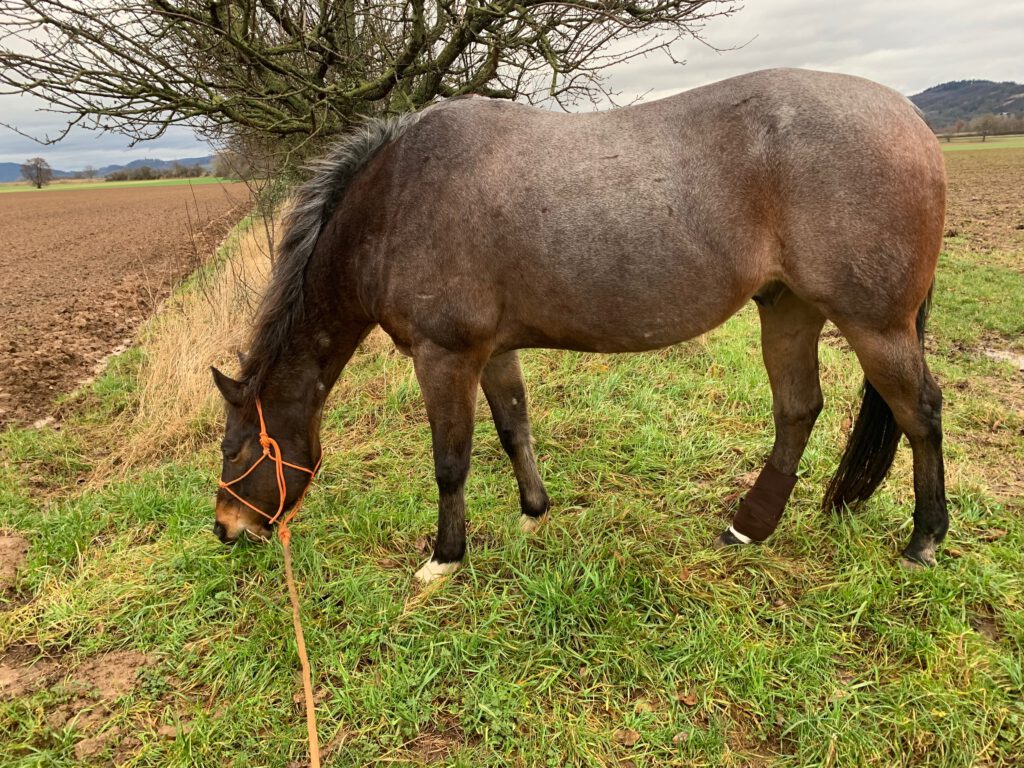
x=985 y=124
x=89 y=172
x=37 y=172
x=300 y=70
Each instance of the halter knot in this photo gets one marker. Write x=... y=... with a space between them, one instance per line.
x=272 y=451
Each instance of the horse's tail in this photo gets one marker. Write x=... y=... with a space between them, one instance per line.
x=872 y=445
x=312 y=206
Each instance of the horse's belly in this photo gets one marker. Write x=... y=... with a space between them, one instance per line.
x=626 y=320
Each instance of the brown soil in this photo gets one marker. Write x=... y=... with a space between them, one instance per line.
x=84 y=700
x=83 y=268
x=985 y=205
x=12 y=554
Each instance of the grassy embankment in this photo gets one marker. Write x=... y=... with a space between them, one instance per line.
x=616 y=624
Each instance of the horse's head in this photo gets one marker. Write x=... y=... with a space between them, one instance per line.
x=267 y=462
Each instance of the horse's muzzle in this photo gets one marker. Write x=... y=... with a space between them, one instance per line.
x=222 y=533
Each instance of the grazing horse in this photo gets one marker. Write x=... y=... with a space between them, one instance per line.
x=478 y=227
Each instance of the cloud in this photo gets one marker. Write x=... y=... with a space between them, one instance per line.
x=81 y=147
x=910 y=45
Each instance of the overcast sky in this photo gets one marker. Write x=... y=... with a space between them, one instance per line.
x=909 y=45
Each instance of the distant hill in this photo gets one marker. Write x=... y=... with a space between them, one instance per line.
x=943 y=105
x=12 y=171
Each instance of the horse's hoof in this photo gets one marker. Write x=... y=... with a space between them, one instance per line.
x=530 y=524
x=923 y=557
x=917 y=563
x=730 y=538
x=432 y=571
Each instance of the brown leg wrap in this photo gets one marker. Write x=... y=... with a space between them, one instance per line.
x=761 y=509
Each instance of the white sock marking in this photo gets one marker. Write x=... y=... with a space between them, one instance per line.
x=431 y=571
x=742 y=538
x=529 y=524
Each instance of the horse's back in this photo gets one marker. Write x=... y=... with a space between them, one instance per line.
x=668 y=215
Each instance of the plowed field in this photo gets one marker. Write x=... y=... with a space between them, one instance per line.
x=81 y=269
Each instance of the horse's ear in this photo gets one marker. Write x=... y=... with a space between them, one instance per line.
x=233 y=391
x=242 y=358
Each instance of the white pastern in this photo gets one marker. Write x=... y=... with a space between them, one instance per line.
x=529 y=524
x=431 y=571
x=739 y=536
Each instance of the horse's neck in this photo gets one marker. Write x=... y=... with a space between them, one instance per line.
x=317 y=353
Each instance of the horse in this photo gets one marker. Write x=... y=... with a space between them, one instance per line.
x=478 y=227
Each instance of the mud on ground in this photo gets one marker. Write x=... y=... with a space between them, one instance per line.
x=83 y=268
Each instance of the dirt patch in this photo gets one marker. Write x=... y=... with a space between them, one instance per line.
x=99 y=679
x=23 y=671
x=82 y=269
x=984 y=205
x=436 y=744
x=110 y=676
x=13 y=550
x=1006 y=356
x=81 y=698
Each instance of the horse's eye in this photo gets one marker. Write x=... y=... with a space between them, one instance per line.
x=231 y=452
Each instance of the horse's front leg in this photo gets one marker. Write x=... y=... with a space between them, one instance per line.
x=449 y=384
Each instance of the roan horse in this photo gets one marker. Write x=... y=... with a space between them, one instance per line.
x=478 y=227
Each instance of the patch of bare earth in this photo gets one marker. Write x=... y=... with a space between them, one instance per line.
x=985 y=205
x=82 y=698
x=83 y=269
x=13 y=551
x=1006 y=356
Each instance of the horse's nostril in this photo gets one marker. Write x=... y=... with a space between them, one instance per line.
x=220 y=531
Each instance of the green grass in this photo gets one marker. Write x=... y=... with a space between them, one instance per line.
x=992 y=142
x=84 y=185
x=816 y=649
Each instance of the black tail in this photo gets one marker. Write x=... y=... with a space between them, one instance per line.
x=872 y=445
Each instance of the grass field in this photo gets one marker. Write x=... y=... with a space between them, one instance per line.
x=615 y=637
x=974 y=143
x=65 y=185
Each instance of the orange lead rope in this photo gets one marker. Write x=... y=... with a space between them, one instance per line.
x=307 y=679
x=272 y=450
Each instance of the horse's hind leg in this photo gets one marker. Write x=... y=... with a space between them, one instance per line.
x=893 y=362
x=449 y=384
x=503 y=386
x=789 y=342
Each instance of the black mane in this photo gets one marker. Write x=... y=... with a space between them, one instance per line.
x=312 y=205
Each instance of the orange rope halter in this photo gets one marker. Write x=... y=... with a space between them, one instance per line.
x=272 y=451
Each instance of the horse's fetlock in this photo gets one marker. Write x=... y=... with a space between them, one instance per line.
x=534 y=502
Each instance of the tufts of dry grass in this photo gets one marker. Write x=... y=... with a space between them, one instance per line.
x=177 y=407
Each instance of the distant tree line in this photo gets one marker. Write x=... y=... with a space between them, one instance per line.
x=148 y=173
x=985 y=126
x=38 y=172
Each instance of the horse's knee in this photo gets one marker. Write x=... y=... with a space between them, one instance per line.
x=450 y=472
